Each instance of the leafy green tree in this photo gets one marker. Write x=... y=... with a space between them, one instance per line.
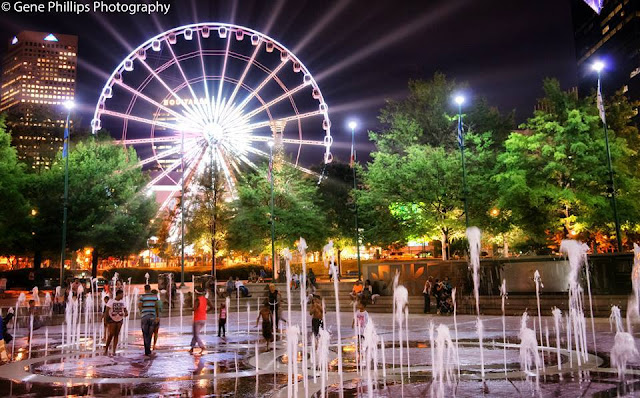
x=108 y=207
x=421 y=118
x=553 y=174
x=208 y=219
x=296 y=210
x=423 y=189
x=337 y=204
x=14 y=212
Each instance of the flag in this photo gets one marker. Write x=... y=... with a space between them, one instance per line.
x=352 y=158
x=66 y=140
x=601 y=105
x=460 y=136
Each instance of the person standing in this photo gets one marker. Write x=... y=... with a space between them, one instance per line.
x=156 y=324
x=231 y=286
x=426 y=292
x=199 y=319
x=274 y=303
x=116 y=311
x=149 y=311
x=267 y=325
x=222 y=320
x=316 y=313
x=5 y=337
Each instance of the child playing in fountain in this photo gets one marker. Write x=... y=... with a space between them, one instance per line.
x=361 y=319
x=267 y=324
x=222 y=320
x=156 y=324
x=116 y=312
x=105 y=316
x=316 y=313
x=359 y=322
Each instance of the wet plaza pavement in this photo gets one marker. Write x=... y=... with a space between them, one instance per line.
x=228 y=367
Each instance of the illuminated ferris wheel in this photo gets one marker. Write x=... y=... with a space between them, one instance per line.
x=212 y=92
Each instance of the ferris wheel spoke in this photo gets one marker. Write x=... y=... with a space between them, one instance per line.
x=189 y=110
x=150 y=100
x=125 y=116
x=286 y=94
x=287 y=140
x=224 y=71
x=161 y=155
x=204 y=80
x=188 y=155
x=184 y=76
x=169 y=198
x=174 y=138
x=286 y=119
x=244 y=73
x=262 y=84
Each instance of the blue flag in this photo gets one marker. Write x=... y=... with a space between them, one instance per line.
x=460 y=136
x=66 y=140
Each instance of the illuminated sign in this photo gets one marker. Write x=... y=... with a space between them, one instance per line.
x=185 y=101
x=50 y=37
x=14 y=40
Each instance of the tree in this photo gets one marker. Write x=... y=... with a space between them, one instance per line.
x=337 y=204
x=208 y=219
x=296 y=211
x=14 y=212
x=553 y=175
x=423 y=118
x=108 y=208
x=422 y=188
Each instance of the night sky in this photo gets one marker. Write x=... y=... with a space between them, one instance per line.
x=359 y=51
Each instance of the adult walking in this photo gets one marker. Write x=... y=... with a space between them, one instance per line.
x=149 y=311
x=273 y=297
x=116 y=312
x=199 y=319
x=426 y=292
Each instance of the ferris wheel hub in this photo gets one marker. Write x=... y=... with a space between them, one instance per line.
x=213 y=132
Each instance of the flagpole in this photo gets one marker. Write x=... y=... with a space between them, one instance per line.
x=611 y=190
x=65 y=153
x=353 y=126
x=459 y=100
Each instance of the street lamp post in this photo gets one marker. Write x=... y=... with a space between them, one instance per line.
x=182 y=210
x=598 y=66
x=272 y=219
x=459 y=99
x=352 y=126
x=65 y=153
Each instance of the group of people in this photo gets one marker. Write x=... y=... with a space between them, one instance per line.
x=238 y=286
x=441 y=291
x=363 y=293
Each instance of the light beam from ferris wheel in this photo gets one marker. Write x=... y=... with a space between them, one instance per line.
x=227 y=129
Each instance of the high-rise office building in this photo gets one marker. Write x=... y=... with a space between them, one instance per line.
x=608 y=30
x=38 y=77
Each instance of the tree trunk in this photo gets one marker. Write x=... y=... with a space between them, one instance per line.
x=94 y=263
x=505 y=245
x=445 y=241
x=37 y=259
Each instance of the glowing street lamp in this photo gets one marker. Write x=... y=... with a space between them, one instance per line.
x=69 y=105
x=352 y=125
x=598 y=67
x=459 y=100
